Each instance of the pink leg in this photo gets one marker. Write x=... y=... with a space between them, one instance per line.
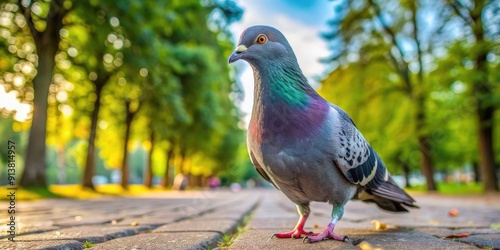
x=297 y=231
x=326 y=234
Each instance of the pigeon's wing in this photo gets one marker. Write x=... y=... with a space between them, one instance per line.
x=360 y=164
x=260 y=170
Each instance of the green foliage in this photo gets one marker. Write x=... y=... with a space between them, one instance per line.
x=367 y=98
x=377 y=79
x=88 y=244
x=453 y=188
x=175 y=76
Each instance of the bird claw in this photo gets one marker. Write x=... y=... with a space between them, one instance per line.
x=306 y=240
x=347 y=239
x=295 y=234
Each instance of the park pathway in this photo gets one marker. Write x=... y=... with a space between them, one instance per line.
x=245 y=220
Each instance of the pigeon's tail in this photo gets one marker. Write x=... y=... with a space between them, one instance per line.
x=387 y=196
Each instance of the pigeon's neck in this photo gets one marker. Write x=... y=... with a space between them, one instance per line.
x=285 y=105
x=282 y=83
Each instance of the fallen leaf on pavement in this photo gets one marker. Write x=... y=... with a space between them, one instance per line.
x=453 y=212
x=366 y=246
x=461 y=235
x=379 y=225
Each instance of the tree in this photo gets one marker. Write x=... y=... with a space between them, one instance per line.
x=44 y=27
x=102 y=55
x=362 y=31
x=480 y=17
x=130 y=112
x=96 y=33
x=148 y=170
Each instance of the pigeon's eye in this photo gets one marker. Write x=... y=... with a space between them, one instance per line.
x=261 y=39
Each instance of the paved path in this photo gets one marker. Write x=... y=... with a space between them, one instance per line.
x=201 y=219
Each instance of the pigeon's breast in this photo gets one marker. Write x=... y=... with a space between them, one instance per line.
x=302 y=166
x=283 y=124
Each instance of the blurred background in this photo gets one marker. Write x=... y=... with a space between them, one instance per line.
x=138 y=94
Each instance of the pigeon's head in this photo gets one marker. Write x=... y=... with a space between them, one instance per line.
x=260 y=45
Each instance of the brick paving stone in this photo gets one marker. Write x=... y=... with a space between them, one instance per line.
x=199 y=219
x=389 y=239
x=94 y=234
x=486 y=237
x=154 y=220
x=221 y=226
x=42 y=244
x=406 y=231
x=155 y=241
x=261 y=239
x=402 y=239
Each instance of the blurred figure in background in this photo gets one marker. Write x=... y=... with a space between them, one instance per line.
x=180 y=182
x=213 y=182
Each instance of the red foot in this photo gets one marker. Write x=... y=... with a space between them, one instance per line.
x=297 y=231
x=295 y=234
x=326 y=234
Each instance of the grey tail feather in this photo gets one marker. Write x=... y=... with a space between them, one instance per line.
x=390 y=197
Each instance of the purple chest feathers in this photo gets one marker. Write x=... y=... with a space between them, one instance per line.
x=284 y=122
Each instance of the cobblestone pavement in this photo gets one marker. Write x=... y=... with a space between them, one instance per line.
x=204 y=219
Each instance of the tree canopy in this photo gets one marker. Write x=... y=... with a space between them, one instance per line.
x=121 y=73
x=420 y=79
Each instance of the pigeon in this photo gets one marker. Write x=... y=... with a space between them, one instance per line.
x=305 y=146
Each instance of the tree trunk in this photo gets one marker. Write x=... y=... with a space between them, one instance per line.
x=148 y=173
x=179 y=169
x=426 y=162
x=406 y=173
x=424 y=143
x=485 y=111
x=90 y=161
x=47 y=45
x=424 y=146
x=487 y=157
x=60 y=151
x=166 y=175
x=128 y=122
x=415 y=89
x=34 y=169
x=477 y=174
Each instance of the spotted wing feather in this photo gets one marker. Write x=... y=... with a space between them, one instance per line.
x=360 y=164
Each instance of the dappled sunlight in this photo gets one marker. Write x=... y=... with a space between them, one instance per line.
x=78 y=192
x=10 y=104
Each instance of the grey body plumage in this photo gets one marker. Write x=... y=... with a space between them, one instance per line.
x=306 y=147
x=301 y=170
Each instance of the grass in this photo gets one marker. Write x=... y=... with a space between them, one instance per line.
x=77 y=191
x=452 y=188
x=88 y=244
x=227 y=239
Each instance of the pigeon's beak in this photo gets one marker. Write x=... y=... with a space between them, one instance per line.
x=236 y=55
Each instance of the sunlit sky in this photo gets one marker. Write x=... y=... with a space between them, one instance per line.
x=301 y=21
